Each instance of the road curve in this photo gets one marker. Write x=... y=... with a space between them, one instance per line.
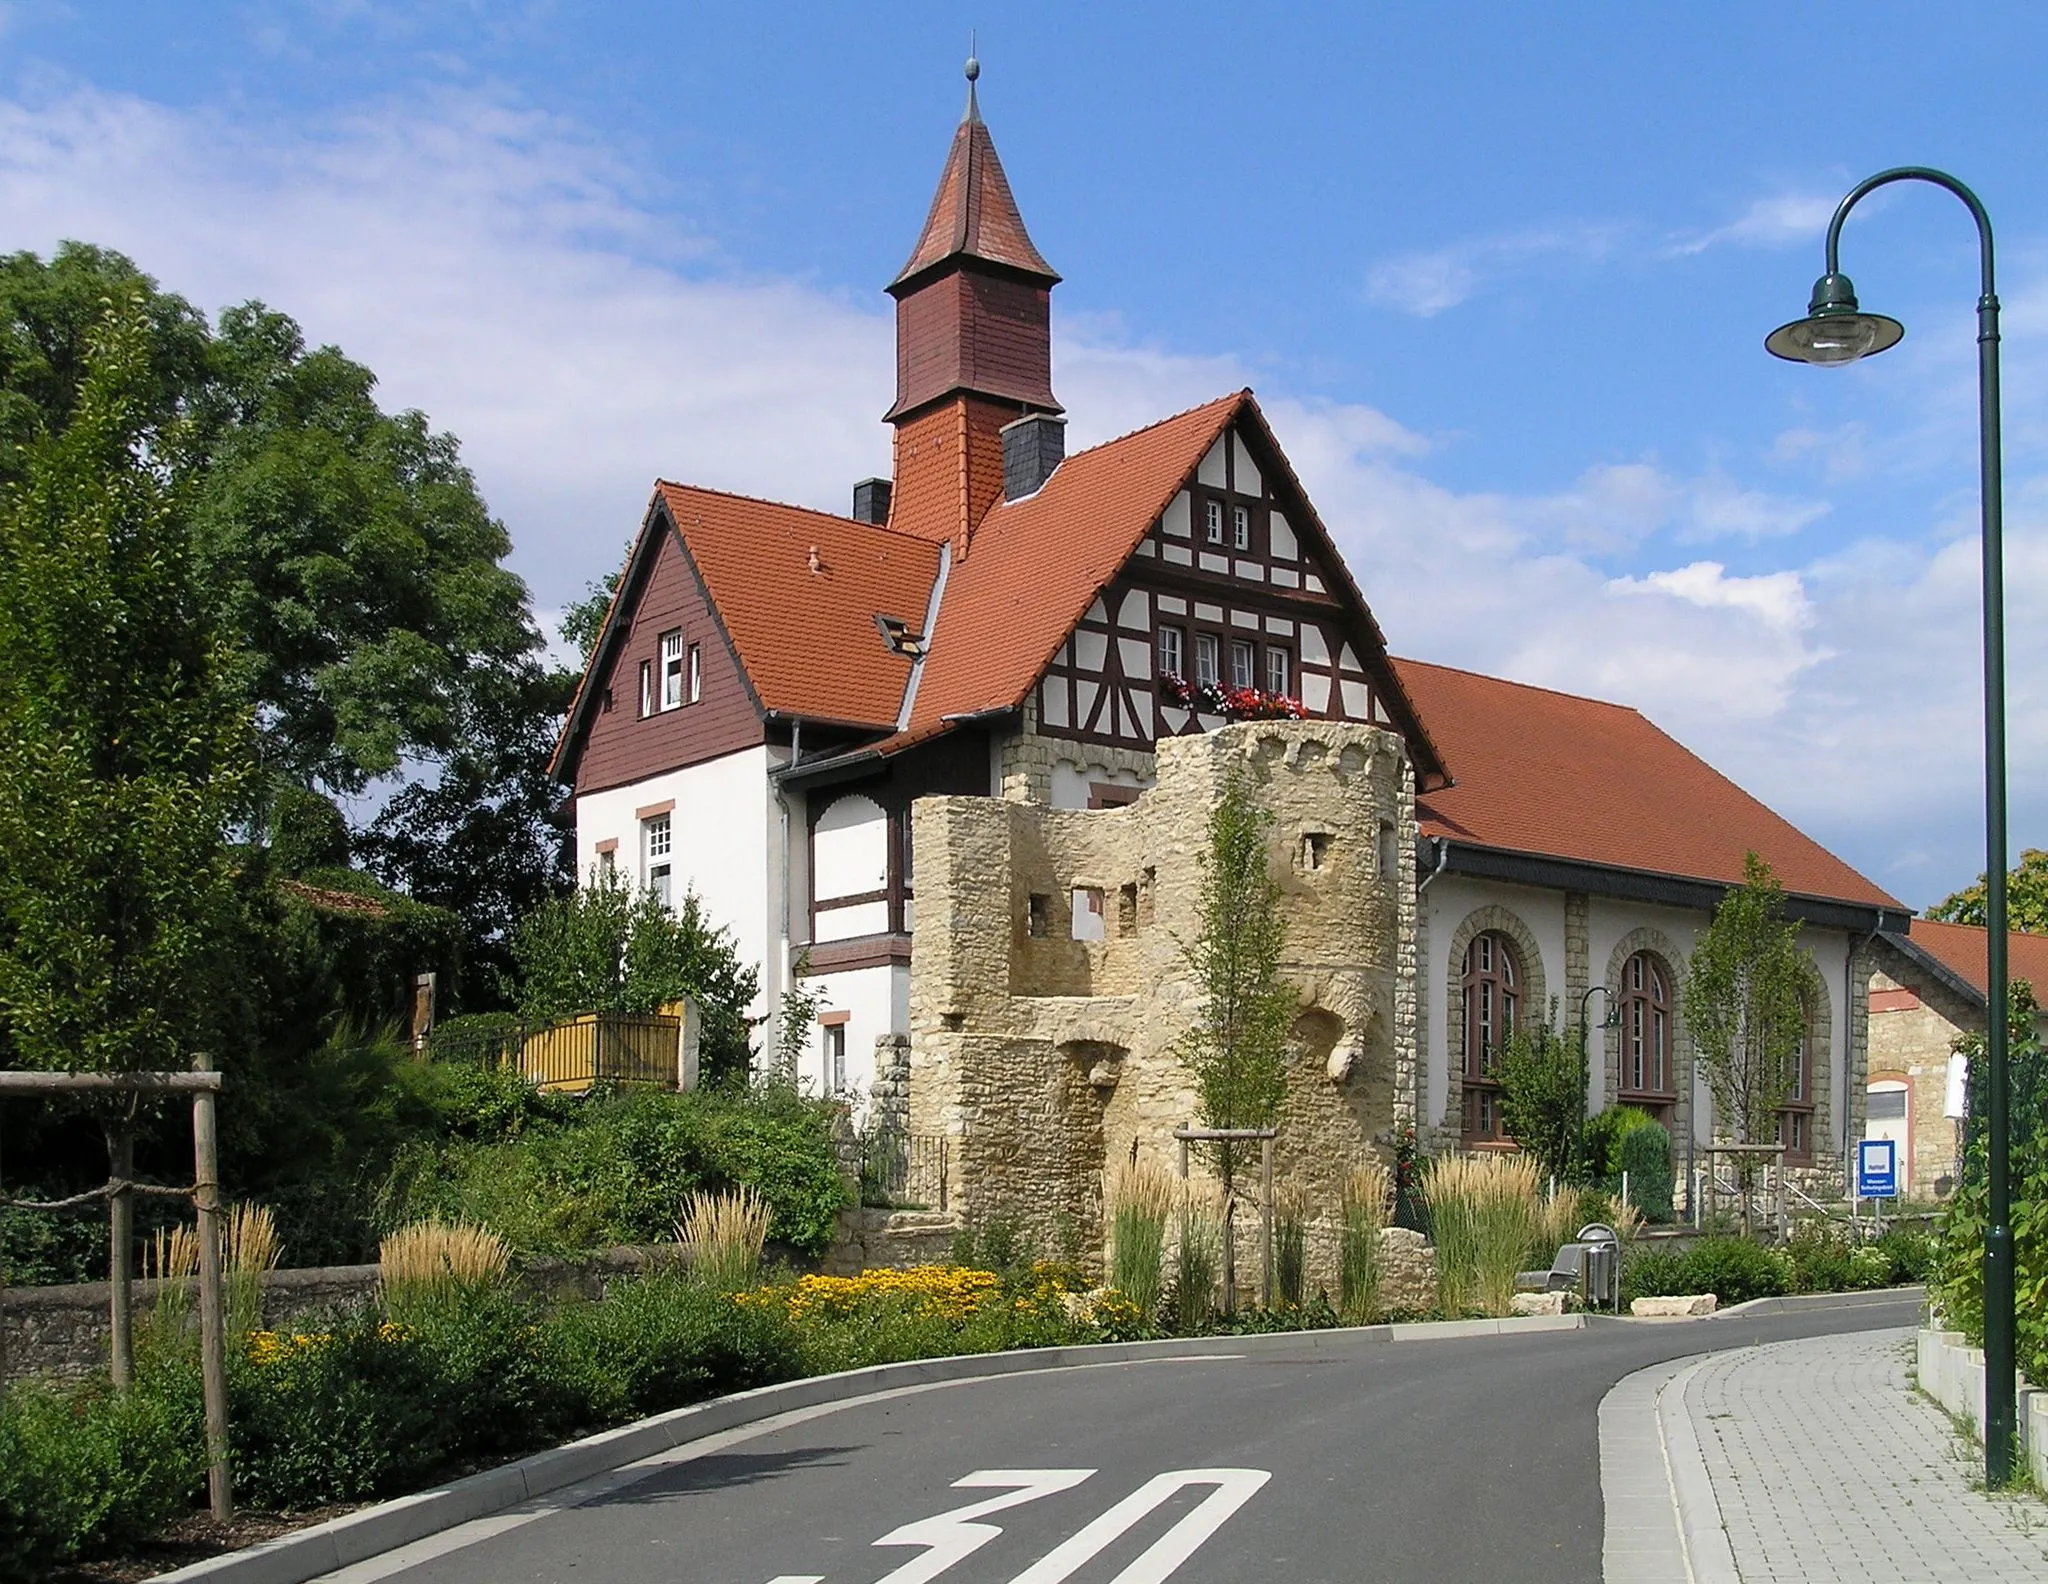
x=1357 y=1460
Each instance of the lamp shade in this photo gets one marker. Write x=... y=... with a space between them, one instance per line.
x=1835 y=329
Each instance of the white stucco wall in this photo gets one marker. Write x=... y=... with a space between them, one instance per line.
x=727 y=848
x=878 y=1002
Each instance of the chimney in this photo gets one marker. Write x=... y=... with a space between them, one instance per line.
x=1032 y=447
x=871 y=500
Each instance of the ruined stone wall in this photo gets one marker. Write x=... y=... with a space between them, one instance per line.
x=1047 y=1060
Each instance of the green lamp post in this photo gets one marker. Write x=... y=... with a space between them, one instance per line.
x=1836 y=330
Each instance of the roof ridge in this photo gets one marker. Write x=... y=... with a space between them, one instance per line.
x=1161 y=423
x=1533 y=687
x=810 y=511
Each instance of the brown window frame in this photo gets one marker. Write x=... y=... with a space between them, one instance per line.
x=1796 y=1116
x=1648 y=1004
x=1490 y=984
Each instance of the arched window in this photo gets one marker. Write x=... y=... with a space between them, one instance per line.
x=1493 y=1001
x=1649 y=1070
x=1795 y=1120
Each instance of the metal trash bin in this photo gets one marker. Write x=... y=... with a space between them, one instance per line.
x=1600 y=1267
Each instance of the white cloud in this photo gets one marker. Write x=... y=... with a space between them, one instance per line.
x=1427 y=283
x=1780 y=221
x=509 y=277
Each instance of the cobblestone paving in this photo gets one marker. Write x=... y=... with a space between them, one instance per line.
x=1828 y=1465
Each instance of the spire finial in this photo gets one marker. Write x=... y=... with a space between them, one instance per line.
x=973 y=71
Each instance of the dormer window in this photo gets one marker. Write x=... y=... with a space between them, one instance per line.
x=1213 y=522
x=900 y=639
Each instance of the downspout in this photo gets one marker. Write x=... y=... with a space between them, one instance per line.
x=796 y=750
x=1443 y=856
x=1422 y=1095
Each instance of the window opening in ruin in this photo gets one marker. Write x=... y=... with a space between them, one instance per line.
x=1038 y=915
x=1088 y=921
x=1127 y=909
x=1389 y=853
x=1315 y=849
x=1145 y=896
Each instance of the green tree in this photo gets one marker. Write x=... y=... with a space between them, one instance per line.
x=606 y=948
x=1236 y=1049
x=583 y=618
x=349 y=555
x=1743 y=1004
x=124 y=748
x=2026 y=897
x=1542 y=1077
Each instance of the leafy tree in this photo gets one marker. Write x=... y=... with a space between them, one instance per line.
x=350 y=556
x=583 y=619
x=124 y=748
x=124 y=740
x=1236 y=1050
x=1542 y=1077
x=606 y=948
x=1743 y=1003
x=2026 y=897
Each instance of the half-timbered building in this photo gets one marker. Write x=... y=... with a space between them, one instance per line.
x=774 y=687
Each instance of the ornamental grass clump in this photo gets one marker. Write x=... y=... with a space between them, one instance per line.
x=1195 y=1263
x=1557 y=1218
x=250 y=1249
x=1363 y=1215
x=1484 y=1213
x=429 y=1263
x=722 y=1235
x=1141 y=1200
x=1290 y=1247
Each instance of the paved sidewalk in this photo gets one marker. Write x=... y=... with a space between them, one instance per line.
x=1802 y=1461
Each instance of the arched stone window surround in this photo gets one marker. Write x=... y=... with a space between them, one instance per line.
x=1656 y=942
x=1535 y=994
x=1820 y=1058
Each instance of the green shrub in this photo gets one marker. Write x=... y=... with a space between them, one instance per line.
x=1910 y=1251
x=1654 y=1273
x=1736 y=1270
x=1820 y=1254
x=620 y=1168
x=1644 y=1153
x=85 y=1471
x=663 y=1341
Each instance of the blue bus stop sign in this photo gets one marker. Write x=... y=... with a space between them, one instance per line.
x=1877 y=1169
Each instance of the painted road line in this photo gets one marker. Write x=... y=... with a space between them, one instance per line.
x=949 y=1536
x=1233 y=1488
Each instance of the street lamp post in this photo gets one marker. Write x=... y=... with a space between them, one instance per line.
x=1836 y=330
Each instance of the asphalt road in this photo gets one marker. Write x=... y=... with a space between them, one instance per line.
x=1366 y=1462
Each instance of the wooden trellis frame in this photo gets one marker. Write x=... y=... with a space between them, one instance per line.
x=203 y=1085
x=1265 y=1137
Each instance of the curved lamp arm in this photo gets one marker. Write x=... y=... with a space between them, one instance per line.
x=1936 y=178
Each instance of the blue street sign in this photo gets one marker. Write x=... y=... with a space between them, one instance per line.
x=1877 y=1169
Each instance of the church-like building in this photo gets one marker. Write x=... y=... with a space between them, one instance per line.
x=775 y=687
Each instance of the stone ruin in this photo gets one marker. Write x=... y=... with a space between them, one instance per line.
x=1050 y=986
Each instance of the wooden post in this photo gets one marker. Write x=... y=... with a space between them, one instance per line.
x=120 y=1252
x=1183 y=1159
x=213 y=1364
x=1784 y=1204
x=423 y=1010
x=1266 y=1214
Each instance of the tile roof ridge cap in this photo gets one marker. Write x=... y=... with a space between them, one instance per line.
x=763 y=500
x=1532 y=687
x=1232 y=397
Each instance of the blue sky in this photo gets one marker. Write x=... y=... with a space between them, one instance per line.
x=1500 y=275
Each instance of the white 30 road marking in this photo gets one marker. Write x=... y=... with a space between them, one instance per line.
x=951 y=1535
x=1234 y=1487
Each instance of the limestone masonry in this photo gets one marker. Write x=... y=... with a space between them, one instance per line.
x=1049 y=984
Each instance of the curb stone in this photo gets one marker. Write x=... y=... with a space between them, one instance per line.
x=308 y=1553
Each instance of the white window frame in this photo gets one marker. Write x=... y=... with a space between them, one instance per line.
x=1279 y=671
x=1244 y=663
x=1208 y=658
x=657 y=857
x=835 y=1058
x=1241 y=527
x=696 y=687
x=672 y=669
x=646 y=688
x=1212 y=522
x=1173 y=652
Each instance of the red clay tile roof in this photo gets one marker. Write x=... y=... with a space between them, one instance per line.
x=808 y=640
x=973 y=213
x=1965 y=950
x=1556 y=776
x=1034 y=564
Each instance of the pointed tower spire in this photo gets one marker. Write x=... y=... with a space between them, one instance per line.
x=973 y=340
